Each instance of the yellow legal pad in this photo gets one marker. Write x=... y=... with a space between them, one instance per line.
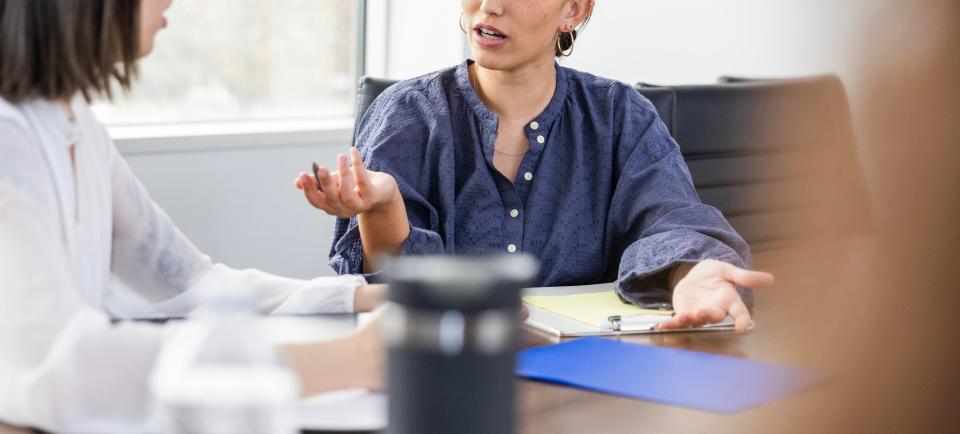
x=591 y=308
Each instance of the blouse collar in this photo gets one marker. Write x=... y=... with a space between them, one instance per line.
x=489 y=120
x=62 y=130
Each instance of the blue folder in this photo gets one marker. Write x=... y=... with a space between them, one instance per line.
x=692 y=379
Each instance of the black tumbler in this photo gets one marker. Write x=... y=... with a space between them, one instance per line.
x=452 y=333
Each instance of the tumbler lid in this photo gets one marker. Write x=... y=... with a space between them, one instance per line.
x=460 y=282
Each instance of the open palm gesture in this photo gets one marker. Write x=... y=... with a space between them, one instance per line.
x=708 y=294
x=349 y=191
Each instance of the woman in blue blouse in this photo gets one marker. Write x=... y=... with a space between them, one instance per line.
x=513 y=153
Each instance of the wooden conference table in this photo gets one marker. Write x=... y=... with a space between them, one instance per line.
x=793 y=327
x=547 y=408
x=551 y=409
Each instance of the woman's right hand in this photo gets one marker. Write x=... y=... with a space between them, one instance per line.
x=357 y=360
x=369 y=297
x=369 y=370
x=350 y=190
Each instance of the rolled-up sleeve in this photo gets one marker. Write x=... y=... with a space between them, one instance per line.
x=389 y=134
x=656 y=208
x=346 y=256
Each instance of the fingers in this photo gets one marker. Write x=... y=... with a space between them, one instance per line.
x=329 y=188
x=747 y=278
x=339 y=193
x=699 y=317
x=348 y=193
x=360 y=175
x=304 y=180
x=681 y=320
x=309 y=187
x=709 y=315
x=325 y=195
x=675 y=322
x=741 y=316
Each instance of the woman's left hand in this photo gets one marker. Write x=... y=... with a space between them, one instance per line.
x=708 y=293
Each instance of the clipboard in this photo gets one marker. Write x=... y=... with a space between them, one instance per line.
x=595 y=310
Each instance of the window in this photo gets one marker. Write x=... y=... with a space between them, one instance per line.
x=243 y=60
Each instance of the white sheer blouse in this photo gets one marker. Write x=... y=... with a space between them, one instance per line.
x=66 y=227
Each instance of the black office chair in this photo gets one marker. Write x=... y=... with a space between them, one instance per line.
x=756 y=151
x=775 y=156
x=368 y=91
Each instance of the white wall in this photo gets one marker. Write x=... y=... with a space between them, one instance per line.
x=658 y=41
x=696 y=41
x=414 y=37
x=239 y=204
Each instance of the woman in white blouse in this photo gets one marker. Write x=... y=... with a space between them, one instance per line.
x=72 y=213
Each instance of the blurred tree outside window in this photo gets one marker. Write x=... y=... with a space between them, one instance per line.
x=244 y=60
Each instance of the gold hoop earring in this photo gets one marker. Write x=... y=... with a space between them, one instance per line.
x=560 y=47
x=460 y=21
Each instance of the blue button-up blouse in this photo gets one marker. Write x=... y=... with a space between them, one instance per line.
x=602 y=195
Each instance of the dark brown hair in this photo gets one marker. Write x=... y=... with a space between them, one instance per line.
x=54 y=49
